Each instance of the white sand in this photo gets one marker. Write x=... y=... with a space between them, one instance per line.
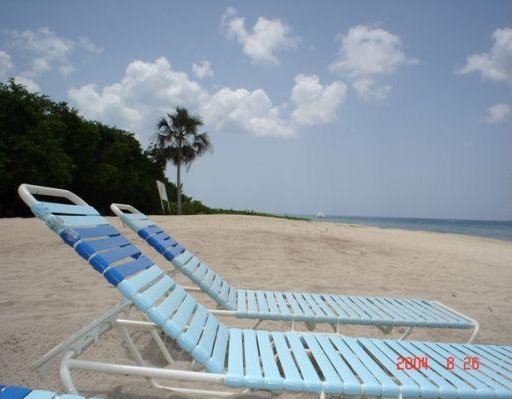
x=47 y=292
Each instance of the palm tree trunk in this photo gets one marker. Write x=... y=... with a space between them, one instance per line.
x=178 y=187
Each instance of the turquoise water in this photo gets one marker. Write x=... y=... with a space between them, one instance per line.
x=501 y=230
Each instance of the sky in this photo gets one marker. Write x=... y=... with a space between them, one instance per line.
x=391 y=108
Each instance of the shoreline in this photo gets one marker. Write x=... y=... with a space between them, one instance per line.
x=412 y=228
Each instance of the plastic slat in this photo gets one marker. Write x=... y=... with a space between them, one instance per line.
x=319 y=311
x=414 y=384
x=332 y=382
x=352 y=386
x=478 y=379
x=309 y=375
x=490 y=358
x=305 y=307
x=129 y=287
x=370 y=385
x=208 y=278
x=432 y=372
x=497 y=353
x=147 y=298
x=293 y=380
x=283 y=307
x=107 y=243
x=191 y=266
x=235 y=358
x=384 y=309
x=323 y=305
x=161 y=236
x=485 y=372
x=272 y=303
x=340 y=312
x=14 y=392
x=241 y=301
x=180 y=260
x=168 y=306
x=140 y=224
x=297 y=312
x=252 y=306
x=37 y=394
x=172 y=252
x=415 y=311
x=120 y=253
x=219 y=351
x=272 y=377
x=133 y=266
x=338 y=300
x=463 y=381
x=358 y=308
x=397 y=314
x=199 y=273
x=454 y=318
x=190 y=338
x=262 y=303
x=372 y=309
x=183 y=314
x=71 y=221
x=148 y=231
x=224 y=289
x=232 y=298
x=54 y=207
x=215 y=287
x=253 y=373
x=207 y=339
x=99 y=231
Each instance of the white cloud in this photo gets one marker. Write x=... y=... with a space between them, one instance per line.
x=49 y=50
x=369 y=90
x=368 y=53
x=242 y=109
x=29 y=84
x=148 y=89
x=499 y=113
x=497 y=63
x=89 y=46
x=202 y=69
x=5 y=64
x=315 y=103
x=268 y=37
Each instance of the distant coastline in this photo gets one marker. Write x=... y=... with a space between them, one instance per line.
x=500 y=230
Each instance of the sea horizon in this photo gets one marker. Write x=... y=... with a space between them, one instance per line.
x=495 y=229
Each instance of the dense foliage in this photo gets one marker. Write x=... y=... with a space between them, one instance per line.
x=48 y=143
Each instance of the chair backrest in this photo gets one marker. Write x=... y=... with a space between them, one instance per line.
x=124 y=266
x=212 y=283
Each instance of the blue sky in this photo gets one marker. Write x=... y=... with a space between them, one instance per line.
x=356 y=108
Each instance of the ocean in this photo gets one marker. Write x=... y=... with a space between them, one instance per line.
x=501 y=230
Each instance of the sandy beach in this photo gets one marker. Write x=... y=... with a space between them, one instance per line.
x=47 y=292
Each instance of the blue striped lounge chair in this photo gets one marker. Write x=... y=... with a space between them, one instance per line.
x=382 y=312
x=233 y=358
x=17 y=392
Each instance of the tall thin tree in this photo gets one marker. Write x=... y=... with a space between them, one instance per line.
x=179 y=142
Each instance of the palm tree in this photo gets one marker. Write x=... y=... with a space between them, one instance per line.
x=179 y=142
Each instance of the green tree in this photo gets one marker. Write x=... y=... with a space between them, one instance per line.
x=178 y=141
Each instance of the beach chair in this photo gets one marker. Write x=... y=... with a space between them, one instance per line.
x=382 y=312
x=325 y=364
x=17 y=392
